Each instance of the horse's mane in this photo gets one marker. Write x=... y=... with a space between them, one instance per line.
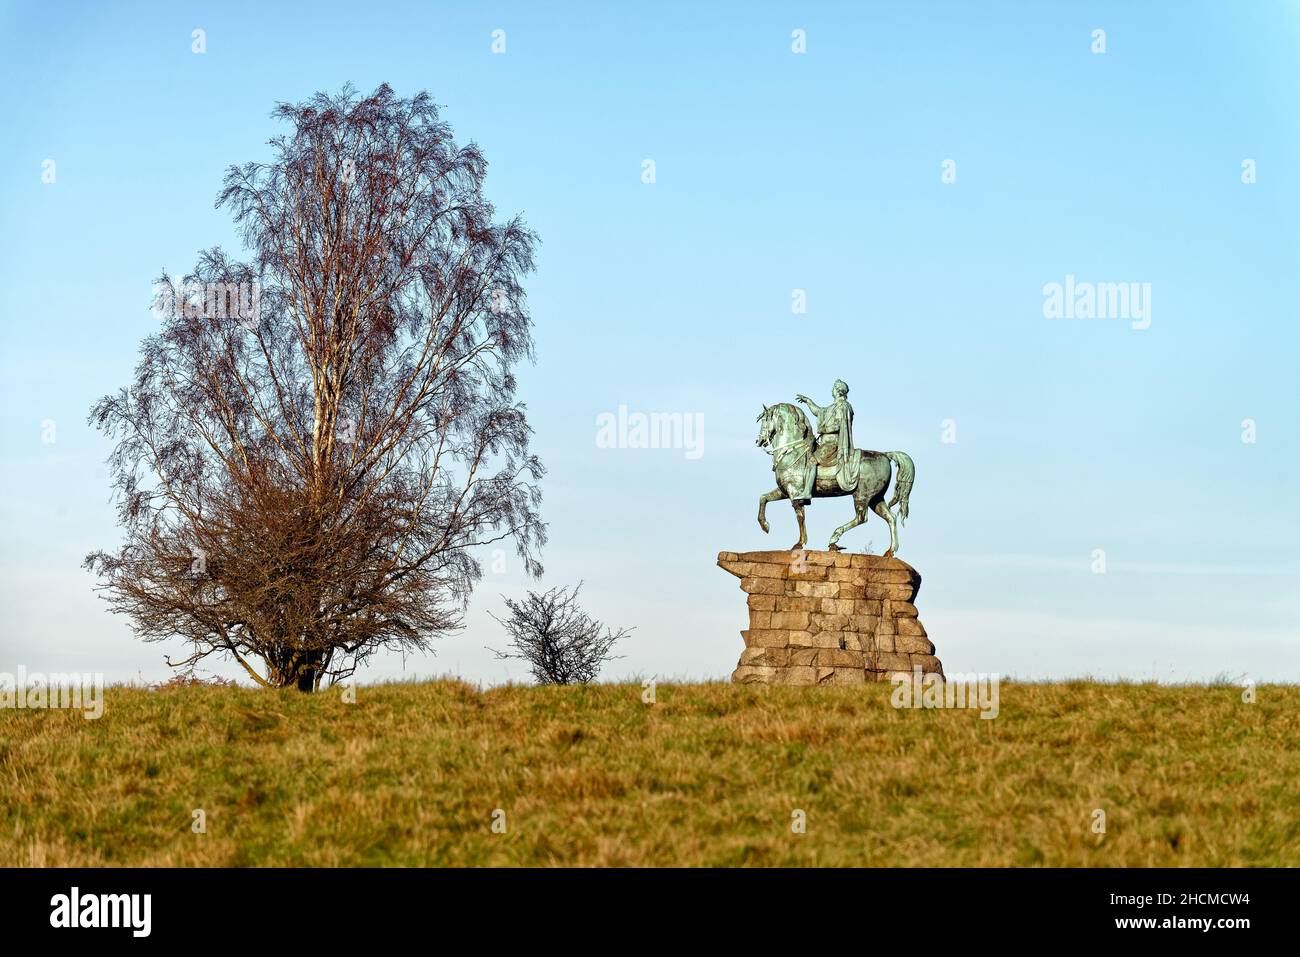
x=793 y=411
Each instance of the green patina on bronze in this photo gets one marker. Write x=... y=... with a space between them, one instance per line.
x=824 y=463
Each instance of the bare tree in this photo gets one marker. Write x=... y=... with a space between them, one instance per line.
x=302 y=476
x=560 y=642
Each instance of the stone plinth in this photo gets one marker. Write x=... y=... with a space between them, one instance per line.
x=828 y=618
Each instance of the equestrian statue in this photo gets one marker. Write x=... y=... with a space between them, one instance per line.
x=824 y=463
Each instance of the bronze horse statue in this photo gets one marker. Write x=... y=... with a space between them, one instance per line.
x=783 y=430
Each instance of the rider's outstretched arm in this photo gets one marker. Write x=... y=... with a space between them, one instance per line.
x=812 y=406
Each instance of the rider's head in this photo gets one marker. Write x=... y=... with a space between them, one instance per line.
x=839 y=390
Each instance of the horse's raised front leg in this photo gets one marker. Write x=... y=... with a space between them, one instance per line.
x=803 y=532
x=859 y=516
x=775 y=495
x=881 y=509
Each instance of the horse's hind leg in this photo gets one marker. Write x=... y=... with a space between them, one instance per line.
x=881 y=509
x=859 y=516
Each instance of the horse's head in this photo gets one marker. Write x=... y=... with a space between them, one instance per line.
x=766 y=427
x=781 y=424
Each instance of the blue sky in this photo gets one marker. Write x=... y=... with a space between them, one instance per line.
x=775 y=171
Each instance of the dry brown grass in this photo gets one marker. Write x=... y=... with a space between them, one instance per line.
x=710 y=775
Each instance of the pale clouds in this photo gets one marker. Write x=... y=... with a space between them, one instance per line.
x=1029 y=645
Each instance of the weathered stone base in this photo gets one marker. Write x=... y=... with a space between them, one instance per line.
x=828 y=618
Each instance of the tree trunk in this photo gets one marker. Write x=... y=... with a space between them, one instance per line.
x=307 y=671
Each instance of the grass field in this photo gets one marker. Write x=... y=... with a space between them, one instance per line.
x=711 y=774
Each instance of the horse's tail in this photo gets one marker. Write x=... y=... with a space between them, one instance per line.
x=902 y=481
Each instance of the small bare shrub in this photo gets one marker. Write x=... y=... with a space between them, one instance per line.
x=560 y=642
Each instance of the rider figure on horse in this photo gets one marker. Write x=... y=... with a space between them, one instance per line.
x=834 y=443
